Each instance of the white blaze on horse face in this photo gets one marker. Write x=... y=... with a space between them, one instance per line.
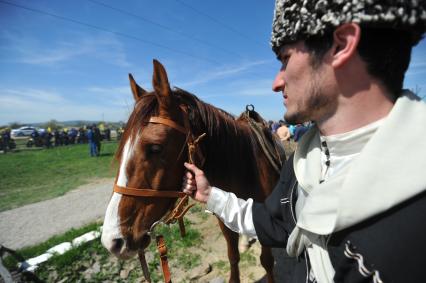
x=111 y=227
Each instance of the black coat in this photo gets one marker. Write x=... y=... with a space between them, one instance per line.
x=389 y=246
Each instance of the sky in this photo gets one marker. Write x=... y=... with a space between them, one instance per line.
x=70 y=60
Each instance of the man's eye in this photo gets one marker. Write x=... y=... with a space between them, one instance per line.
x=155 y=148
x=284 y=60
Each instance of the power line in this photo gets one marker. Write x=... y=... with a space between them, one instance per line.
x=167 y=28
x=219 y=22
x=67 y=19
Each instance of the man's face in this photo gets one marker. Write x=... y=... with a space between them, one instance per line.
x=307 y=89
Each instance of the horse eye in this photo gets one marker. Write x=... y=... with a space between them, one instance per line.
x=155 y=148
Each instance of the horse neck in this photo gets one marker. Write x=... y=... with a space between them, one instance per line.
x=230 y=152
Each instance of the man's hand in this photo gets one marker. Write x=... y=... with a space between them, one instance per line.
x=196 y=184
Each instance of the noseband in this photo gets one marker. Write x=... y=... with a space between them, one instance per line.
x=178 y=212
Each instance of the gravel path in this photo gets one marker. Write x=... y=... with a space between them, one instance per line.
x=35 y=223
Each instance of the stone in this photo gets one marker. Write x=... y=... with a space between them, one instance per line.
x=217 y=280
x=124 y=273
x=200 y=271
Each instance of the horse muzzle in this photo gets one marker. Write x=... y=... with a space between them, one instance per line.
x=125 y=248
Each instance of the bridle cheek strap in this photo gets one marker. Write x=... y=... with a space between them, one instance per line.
x=147 y=192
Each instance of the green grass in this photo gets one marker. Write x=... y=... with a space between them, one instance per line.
x=173 y=238
x=222 y=265
x=177 y=248
x=71 y=264
x=248 y=258
x=31 y=176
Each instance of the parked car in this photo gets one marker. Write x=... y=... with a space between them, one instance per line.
x=25 y=131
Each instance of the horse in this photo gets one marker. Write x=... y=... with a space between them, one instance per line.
x=151 y=154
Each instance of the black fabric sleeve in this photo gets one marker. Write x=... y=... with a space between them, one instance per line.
x=272 y=219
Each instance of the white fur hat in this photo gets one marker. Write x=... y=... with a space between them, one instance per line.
x=299 y=19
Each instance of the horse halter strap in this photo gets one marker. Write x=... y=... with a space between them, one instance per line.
x=147 y=192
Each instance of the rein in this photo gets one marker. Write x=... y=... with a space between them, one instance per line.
x=178 y=212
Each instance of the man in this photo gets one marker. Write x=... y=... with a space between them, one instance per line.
x=6 y=140
x=350 y=203
x=300 y=130
x=57 y=137
x=275 y=126
x=97 y=139
x=283 y=132
x=92 y=143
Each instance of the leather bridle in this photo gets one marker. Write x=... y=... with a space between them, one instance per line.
x=178 y=212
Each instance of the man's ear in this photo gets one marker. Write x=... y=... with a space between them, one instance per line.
x=345 y=43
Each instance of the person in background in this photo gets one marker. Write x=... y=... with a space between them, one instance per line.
x=283 y=132
x=291 y=129
x=37 y=139
x=72 y=135
x=92 y=144
x=48 y=139
x=350 y=202
x=57 y=137
x=107 y=132
x=270 y=122
x=97 y=137
x=81 y=136
x=120 y=132
x=5 y=139
x=299 y=131
x=275 y=126
x=65 y=137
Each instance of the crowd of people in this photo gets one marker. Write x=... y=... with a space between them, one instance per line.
x=48 y=138
x=65 y=136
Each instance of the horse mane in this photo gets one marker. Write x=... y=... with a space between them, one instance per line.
x=229 y=148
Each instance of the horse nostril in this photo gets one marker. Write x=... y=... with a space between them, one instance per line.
x=117 y=244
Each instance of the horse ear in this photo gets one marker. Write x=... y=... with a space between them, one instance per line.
x=160 y=81
x=137 y=91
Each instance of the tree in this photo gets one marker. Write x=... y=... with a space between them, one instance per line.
x=15 y=125
x=52 y=124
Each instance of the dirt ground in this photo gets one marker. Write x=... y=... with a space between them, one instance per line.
x=214 y=267
x=215 y=250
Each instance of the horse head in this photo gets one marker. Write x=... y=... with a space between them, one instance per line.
x=151 y=156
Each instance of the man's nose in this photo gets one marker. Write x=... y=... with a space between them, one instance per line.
x=278 y=84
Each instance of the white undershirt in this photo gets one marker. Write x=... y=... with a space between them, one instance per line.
x=338 y=151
